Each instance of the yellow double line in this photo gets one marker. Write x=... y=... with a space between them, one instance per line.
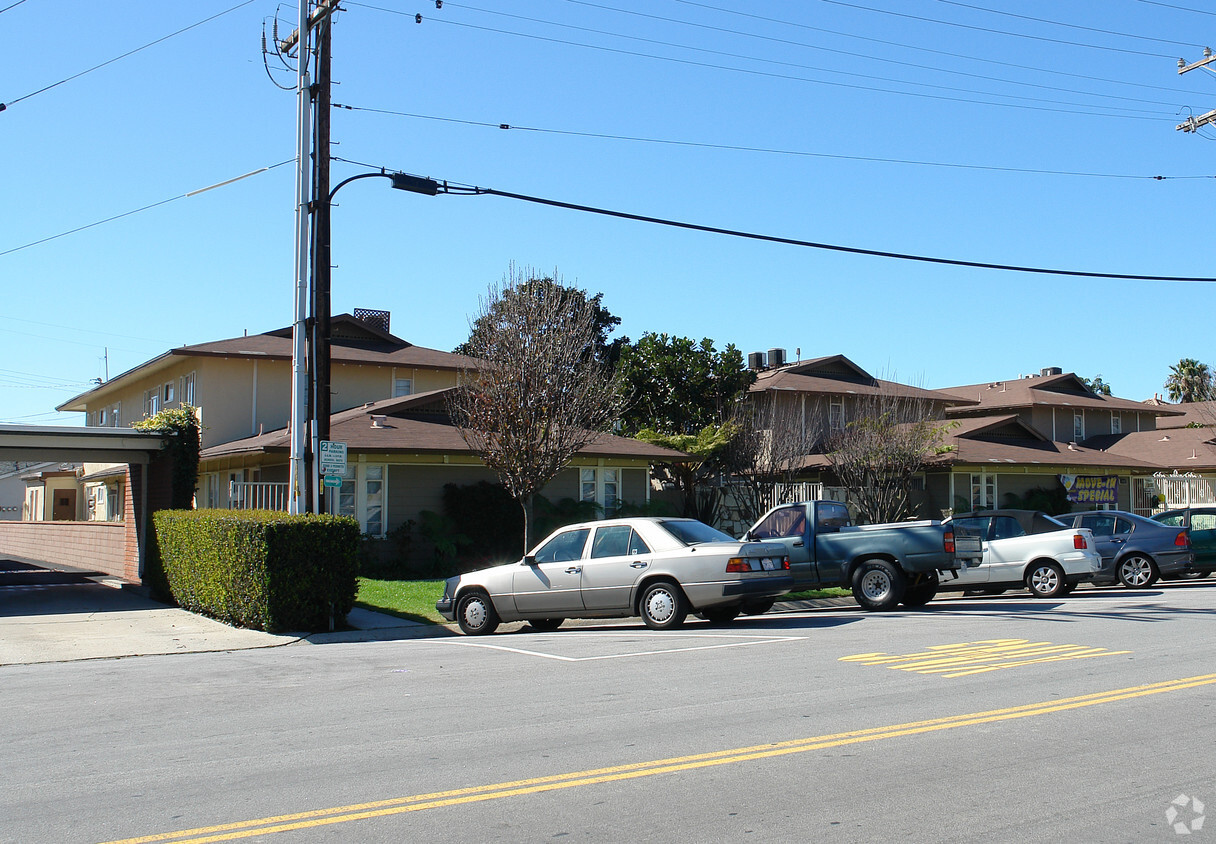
x=617 y=773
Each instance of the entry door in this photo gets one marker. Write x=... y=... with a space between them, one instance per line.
x=552 y=582
x=64 y=507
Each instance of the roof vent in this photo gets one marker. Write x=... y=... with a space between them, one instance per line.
x=776 y=358
x=376 y=319
x=755 y=360
x=378 y=420
x=1051 y=370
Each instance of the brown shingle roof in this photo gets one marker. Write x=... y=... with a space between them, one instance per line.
x=1049 y=391
x=1190 y=413
x=1183 y=449
x=418 y=424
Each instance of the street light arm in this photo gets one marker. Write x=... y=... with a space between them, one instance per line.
x=401 y=181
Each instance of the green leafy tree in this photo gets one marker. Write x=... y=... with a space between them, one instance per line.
x=1190 y=381
x=540 y=394
x=679 y=386
x=1097 y=385
x=571 y=301
x=684 y=394
x=179 y=430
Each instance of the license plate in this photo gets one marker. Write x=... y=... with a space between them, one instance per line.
x=768 y=564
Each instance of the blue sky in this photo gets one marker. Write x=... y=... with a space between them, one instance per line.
x=991 y=131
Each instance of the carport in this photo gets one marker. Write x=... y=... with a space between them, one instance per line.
x=115 y=548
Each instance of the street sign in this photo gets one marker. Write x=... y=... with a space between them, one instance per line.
x=333 y=458
x=333 y=481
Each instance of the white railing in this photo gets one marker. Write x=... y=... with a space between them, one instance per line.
x=247 y=495
x=1166 y=492
x=789 y=493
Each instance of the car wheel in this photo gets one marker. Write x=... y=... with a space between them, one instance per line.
x=1137 y=572
x=878 y=585
x=1046 y=580
x=721 y=615
x=919 y=594
x=663 y=605
x=544 y=625
x=475 y=614
x=757 y=607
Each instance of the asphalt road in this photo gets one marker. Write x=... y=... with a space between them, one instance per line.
x=995 y=719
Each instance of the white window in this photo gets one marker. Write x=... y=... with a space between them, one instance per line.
x=101 y=418
x=363 y=496
x=836 y=414
x=187 y=391
x=601 y=486
x=403 y=387
x=169 y=391
x=152 y=402
x=983 y=491
x=1078 y=425
x=1116 y=423
x=373 y=487
x=114 y=416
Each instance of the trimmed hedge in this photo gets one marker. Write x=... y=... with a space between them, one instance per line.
x=259 y=568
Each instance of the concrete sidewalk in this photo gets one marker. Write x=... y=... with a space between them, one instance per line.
x=64 y=616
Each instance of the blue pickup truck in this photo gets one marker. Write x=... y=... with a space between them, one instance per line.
x=885 y=565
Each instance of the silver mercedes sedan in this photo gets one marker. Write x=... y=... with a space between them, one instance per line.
x=658 y=568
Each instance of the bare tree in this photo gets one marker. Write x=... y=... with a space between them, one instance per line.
x=542 y=395
x=776 y=437
x=881 y=449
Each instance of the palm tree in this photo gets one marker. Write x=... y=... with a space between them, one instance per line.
x=1190 y=381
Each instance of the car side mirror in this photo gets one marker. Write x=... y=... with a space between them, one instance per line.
x=529 y=559
x=747 y=537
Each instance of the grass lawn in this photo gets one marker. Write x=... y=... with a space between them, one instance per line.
x=410 y=599
x=415 y=599
x=816 y=593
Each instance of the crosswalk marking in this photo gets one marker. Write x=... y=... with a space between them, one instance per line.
x=967 y=658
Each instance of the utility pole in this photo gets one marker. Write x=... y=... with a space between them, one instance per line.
x=321 y=262
x=1193 y=124
x=310 y=353
x=296 y=500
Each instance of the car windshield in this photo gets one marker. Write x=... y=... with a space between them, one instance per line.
x=691 y=532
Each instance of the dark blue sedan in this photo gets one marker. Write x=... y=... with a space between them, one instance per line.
x=1135 y=550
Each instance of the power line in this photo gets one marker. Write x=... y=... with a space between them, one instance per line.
x=457 y=189
x=1092 y=112
x=1180 y=8
x=4 y=106
x=804 y=45
x=135 y=211
x=852 y=250
x=770 y=151
x=1069 y=25
x=992 y=31
x=919 y=48
x=11 y=6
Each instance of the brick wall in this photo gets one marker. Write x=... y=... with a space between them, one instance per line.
x=92 y=546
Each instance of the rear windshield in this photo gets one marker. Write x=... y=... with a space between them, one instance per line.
x=690 y=531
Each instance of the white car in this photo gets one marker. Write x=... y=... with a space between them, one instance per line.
x=1025 y=548
x=658 y=568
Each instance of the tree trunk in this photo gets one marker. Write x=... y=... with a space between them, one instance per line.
x=529 y=528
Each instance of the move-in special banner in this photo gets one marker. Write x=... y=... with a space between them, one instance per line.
x=1092 y=489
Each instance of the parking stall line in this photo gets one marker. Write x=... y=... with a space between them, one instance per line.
x=497 y=791
x=749 y=641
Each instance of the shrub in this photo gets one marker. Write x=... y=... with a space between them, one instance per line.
x=260 y=569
